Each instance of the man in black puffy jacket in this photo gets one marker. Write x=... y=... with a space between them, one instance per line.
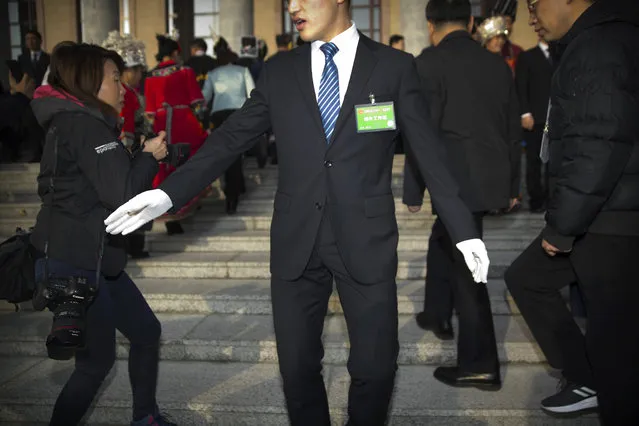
x=592 y=222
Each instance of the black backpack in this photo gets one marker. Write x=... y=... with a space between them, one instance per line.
x=17 y=268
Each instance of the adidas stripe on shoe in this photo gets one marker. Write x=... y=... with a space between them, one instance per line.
x=571 y=399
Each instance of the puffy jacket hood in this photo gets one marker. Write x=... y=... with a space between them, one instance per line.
x=47 y=102
x=603 y=12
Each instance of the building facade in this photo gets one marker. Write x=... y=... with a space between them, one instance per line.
x=91 y=20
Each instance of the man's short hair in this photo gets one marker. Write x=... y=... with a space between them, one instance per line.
x=395 y=38
x=283 y=40
x=35 y=33
x=200 y=44
x=440 y=12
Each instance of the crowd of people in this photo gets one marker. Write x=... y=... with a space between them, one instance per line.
x=571 y=103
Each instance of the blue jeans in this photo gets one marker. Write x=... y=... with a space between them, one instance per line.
x=118 y=305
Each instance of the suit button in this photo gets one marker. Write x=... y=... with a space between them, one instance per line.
x=328 y=164
x=318 y=206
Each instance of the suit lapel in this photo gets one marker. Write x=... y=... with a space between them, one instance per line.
x=303 y=71
x=365 y=61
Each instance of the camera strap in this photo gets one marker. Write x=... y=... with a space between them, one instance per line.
x=54 y=132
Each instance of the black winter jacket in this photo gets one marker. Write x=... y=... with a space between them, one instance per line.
x=95 y=175
x=594 y=128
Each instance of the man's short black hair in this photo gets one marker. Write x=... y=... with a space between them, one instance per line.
x=35 y=33
x=440 y=12
x=395 y=38
x=200 y=44
x=283 y=40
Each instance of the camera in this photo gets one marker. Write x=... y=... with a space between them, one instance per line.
x=68 y=298
x=177 y=153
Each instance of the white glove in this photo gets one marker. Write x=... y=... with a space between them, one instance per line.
x=476 y=258
x=138 y=211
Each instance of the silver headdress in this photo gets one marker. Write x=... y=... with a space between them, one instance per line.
x=492 y=27
x=131 y=50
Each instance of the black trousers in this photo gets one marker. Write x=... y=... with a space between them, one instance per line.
x=299 y=309
x=536 y=181
x=450 y=284
x=118 y=305
x=607 y=357
x=234 y=184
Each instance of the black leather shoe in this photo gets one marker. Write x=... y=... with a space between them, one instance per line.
x=459 y=379
x=442 y=329
x=231 y=205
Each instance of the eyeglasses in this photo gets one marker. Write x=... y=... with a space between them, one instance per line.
x=532 y=6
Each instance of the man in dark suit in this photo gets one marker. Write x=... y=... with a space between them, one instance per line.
x=334 y=210
x=34 y=61
x=477 y=116
x=533 y=75
x=201 y=63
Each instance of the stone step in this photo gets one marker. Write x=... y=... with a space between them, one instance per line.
x=242 y=265
x=252 y=203
x=199 y=223
x=253 y=297
x=200 y=393
x=250 y=338
x=252 y=241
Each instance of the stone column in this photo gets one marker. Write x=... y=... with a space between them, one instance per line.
x=236 y=20
x=414 y=30
x=98 y=17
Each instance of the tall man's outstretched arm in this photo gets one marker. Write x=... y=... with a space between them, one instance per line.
x=221 y=148
x=424 y=144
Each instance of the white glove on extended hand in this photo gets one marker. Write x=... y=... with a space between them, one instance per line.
x=138 y=211
x=476 y=258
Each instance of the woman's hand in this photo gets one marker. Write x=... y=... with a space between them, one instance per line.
x=157 y=146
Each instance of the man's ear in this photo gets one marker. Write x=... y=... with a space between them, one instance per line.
x=471 y=24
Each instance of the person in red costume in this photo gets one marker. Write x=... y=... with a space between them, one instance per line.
x=133 y=124
x=173 y=97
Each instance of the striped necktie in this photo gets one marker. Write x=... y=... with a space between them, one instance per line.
x=328 y=99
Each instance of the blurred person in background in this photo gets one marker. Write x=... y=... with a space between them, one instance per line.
x=200 y=62
x=229 y=85
x=134 y=124
x=34 y=61
x=397 y=41
x=173 y=100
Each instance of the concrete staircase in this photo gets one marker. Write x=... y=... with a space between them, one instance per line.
x=210 y=289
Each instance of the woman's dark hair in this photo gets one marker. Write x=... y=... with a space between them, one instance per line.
x=166 y=47
x=224 y=53
x=78 y=70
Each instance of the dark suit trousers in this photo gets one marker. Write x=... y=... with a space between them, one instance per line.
x=535 y=182
x=299 y=310
x=449 y=283
x=605 y=359
x=234 y=184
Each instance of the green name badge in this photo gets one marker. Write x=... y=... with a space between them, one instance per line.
x=376 y=117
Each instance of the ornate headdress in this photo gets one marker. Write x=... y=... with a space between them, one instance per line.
x=492 y=27
x=131 y=50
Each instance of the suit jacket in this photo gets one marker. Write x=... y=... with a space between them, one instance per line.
x=37 y=72
x=477 y=115
x=533 y=76
x=350 y=175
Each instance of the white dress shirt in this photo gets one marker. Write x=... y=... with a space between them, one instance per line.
x=344 y=59
x=545 y=49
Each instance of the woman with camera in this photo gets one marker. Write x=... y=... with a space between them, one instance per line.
x=85 y=173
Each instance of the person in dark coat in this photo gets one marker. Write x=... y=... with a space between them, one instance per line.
x=200 y=62
x=34 y=61
x=532 y=76
x=21 y=137
x=592 y=221
x=477 y=115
